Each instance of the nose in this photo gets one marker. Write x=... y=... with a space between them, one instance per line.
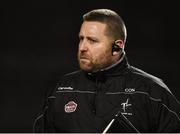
x=83 y=46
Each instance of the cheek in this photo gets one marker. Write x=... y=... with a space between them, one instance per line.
x=101 y=55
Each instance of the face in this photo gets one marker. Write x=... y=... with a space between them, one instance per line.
x=95 y=47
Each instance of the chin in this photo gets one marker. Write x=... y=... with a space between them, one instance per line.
x=86 y=68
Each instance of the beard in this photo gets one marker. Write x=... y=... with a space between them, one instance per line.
x=88 y=64
x=85 y=62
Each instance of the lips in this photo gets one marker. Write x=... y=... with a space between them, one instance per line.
x=84 y=57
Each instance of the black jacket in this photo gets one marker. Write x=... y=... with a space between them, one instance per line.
x=87 y=102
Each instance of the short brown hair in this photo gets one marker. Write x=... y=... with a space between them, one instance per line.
x=115 y=25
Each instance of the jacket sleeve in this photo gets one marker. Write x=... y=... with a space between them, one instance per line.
x=44 y=122
x=166 y=111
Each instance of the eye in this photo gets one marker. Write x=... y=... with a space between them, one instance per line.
x=81 y=38
x=92 y=41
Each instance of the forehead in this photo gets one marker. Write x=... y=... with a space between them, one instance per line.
x=92 y=28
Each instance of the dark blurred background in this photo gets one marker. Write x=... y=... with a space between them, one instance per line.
x=39 y=41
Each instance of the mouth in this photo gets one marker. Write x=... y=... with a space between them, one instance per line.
x=84 y=57
x=84 y=60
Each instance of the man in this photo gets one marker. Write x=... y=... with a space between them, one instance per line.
x=107 y=94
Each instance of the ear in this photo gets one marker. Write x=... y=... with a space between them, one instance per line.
x=120 y=44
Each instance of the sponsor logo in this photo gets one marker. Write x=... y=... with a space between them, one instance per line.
x=125 y=107
x=70 y=107
x=129 y=90
x=65 y=88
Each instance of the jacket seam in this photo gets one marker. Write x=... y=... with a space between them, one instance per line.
x=171 y=111
x=38 y=118
x=76 y=91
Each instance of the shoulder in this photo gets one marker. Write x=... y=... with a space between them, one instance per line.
x=150 y=82
x=73 y=75
x=66 y=81
x=154 y=87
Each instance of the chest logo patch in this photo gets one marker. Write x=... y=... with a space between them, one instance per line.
x=125 y=106
x=70 y=107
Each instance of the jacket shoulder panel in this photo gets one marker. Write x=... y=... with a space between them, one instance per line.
x=149 y=79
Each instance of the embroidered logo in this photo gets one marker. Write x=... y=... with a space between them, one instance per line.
x=65 y=88
x=70 y=107
x=125 y=106
x=129 y=90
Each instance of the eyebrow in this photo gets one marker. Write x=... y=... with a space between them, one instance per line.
x=89 y=37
